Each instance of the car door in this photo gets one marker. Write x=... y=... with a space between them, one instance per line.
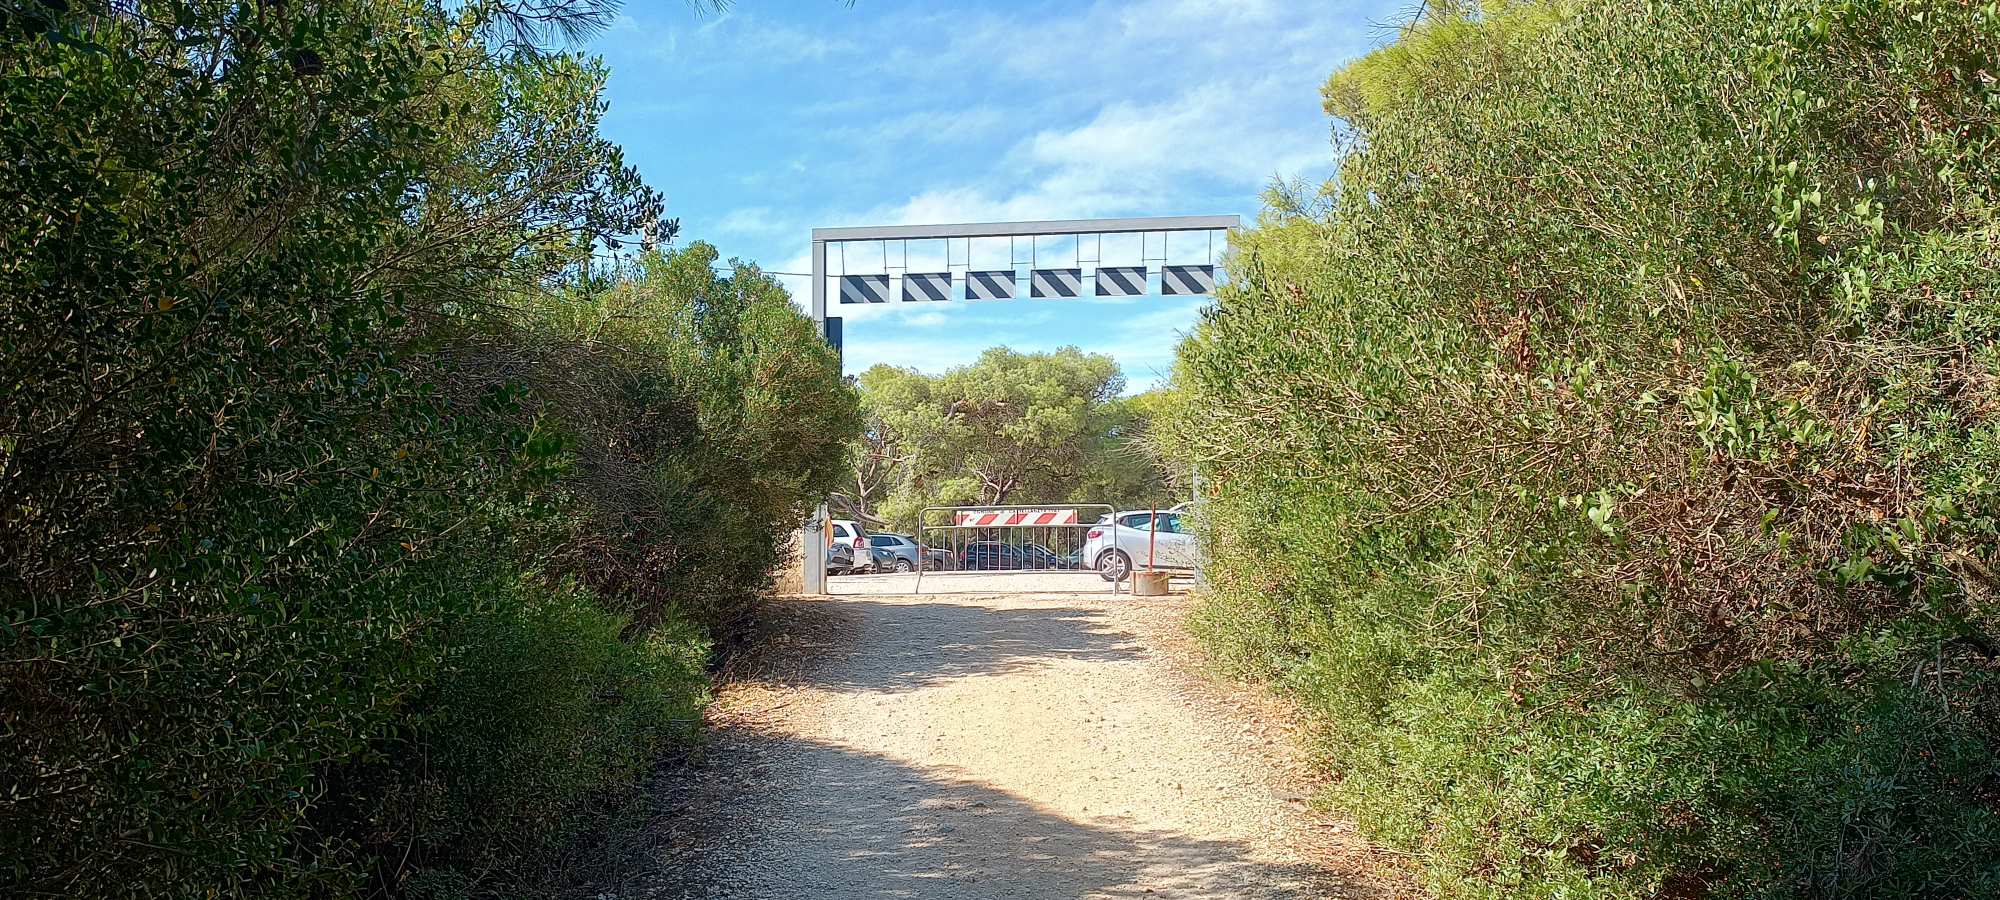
x=1138 y=539
x=1132 y=528
x=1175 y=545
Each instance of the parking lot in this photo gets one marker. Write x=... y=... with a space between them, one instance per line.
x=893 y=584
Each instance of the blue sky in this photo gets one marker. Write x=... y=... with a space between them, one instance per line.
x=781 y=115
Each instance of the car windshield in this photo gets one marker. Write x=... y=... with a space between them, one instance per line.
x=884 y=540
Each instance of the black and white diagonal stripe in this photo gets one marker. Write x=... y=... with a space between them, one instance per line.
x=864 y=288
x=1187 y=280
x=918 y=286
x=1055 y=282
x=1121 y=281
x=997 y=285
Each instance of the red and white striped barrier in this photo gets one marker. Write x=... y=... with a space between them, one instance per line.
x=1005 y=517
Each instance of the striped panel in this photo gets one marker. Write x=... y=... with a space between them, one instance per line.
x=921 y=286
x=1121 y=281
x=1187 y=280
x=864 y=288
x=1017 y=517
x=989 y=285
x=1055 y=282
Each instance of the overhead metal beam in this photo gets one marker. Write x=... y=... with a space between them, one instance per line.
x=1028 y=229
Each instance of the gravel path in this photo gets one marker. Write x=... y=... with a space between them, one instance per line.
x=986 y=746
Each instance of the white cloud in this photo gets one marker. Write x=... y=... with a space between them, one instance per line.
x=926 y=126
x=1135 y=158
x=754 y=221
x=1143 y=145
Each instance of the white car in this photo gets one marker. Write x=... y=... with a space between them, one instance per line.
x=1173 y=547
x=850 y=533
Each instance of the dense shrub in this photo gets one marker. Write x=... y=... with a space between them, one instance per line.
x=1607 y=457
x=294 y=503
x=539 y=721
x=704 y=416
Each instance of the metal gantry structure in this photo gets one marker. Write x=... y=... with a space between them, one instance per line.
x=1055 y=282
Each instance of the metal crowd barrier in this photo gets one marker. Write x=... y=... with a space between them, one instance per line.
x=1039 y=538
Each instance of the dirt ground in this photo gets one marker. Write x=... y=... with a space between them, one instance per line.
x=988 y=745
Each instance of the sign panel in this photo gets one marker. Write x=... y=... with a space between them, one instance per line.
x=1121 y=281
x=1187 y=280
x=1001 y=518
x=864 y=288
x=919 y=286
x=1055 y=282
x=989 y=285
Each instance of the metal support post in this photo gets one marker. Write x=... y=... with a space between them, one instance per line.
x=813 y=537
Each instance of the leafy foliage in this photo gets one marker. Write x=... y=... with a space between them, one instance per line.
x=295 y=503
x=1010 y=428
x=703 y=416
x=1606 y=455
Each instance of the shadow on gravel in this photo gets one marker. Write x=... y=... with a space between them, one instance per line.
x=915 y=644
x=779 y=817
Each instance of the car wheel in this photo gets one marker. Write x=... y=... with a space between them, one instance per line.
x=903 y=566
x=1114 y=566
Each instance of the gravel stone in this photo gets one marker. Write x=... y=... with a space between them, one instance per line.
x=993 y=745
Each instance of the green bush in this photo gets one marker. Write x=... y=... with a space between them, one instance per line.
x=704 y=417
x=1606 y=456
x=298 y=569
x=540 y=719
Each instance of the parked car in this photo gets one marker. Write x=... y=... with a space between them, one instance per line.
x=881 y=559
x=839 y=559
x=847 y=531
x=987 y=556
x=1173 y=546
x=906 y=554
x=1040 y=557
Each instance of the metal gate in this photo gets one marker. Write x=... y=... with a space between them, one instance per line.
x=1044 y=538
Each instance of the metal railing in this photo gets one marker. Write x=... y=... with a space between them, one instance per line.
x=1037 y=538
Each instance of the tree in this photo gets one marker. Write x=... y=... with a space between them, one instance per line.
x=293 y=497
x=1010 y=428
x=1609 y=467
x=1441 y=43
x=1127 y=467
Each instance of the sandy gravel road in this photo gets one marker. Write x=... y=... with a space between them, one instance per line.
x=983 y=745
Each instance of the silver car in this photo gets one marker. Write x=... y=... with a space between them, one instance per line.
x=905 y=554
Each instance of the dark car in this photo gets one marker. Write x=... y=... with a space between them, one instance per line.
x=1037 y=556
x=990 y=556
